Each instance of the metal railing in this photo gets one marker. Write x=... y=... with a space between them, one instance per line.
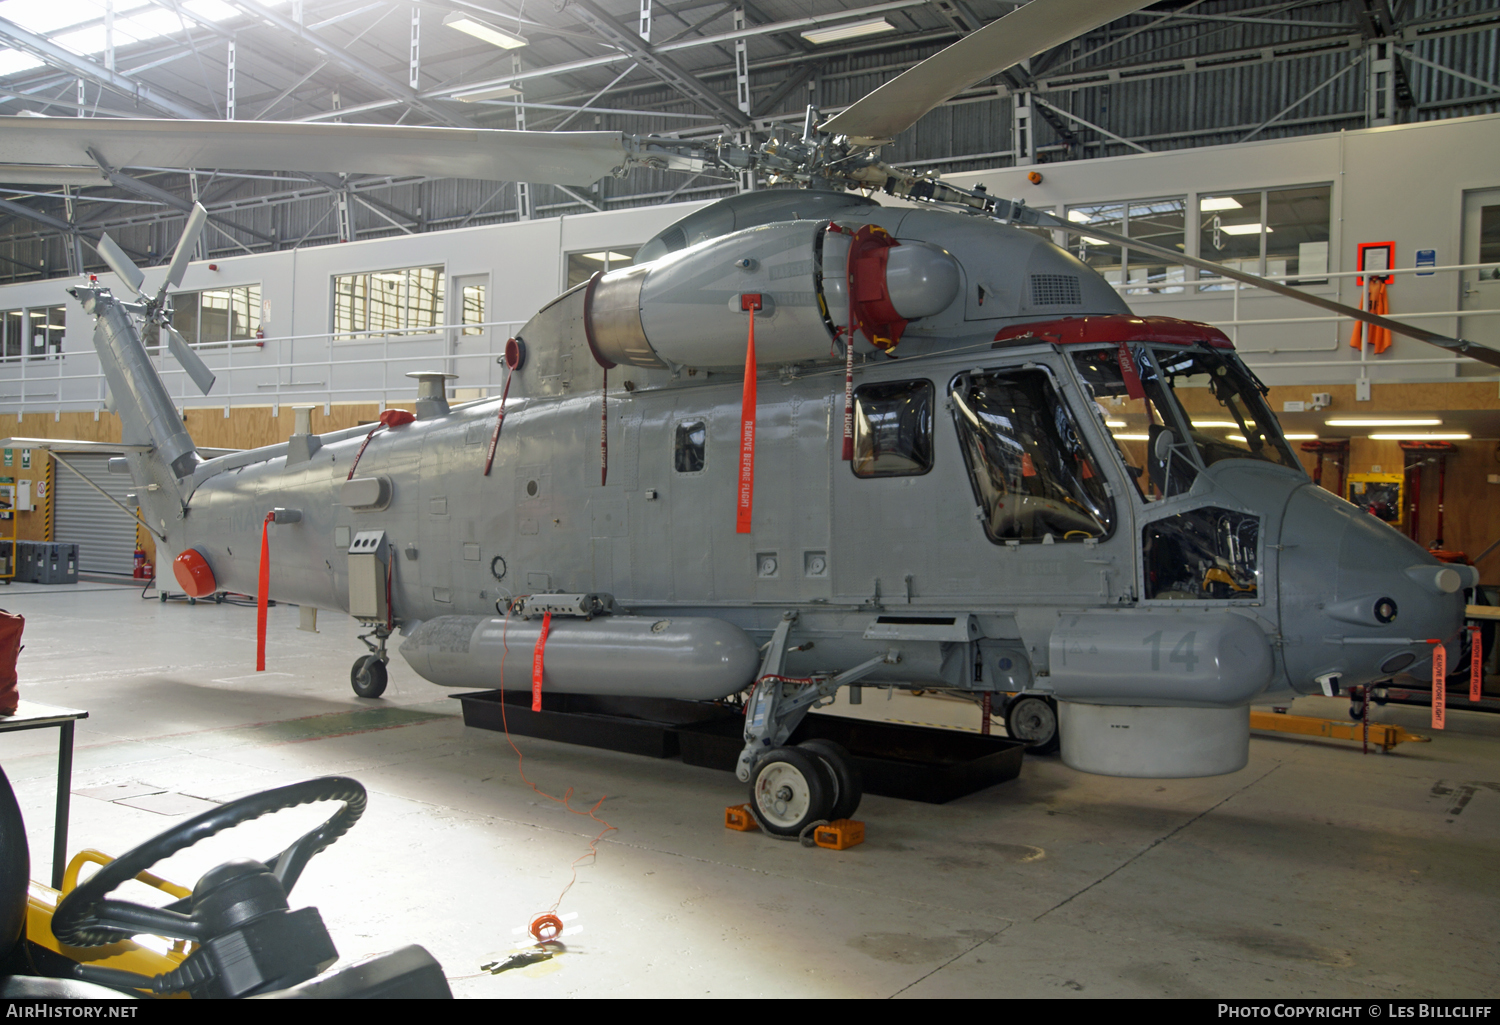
x=1189 y=290
x=368 y=366
x=274 y=370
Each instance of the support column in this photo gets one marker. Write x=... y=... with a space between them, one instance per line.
x=229 y=86
x=109 y=34
x=742 y=94
x=645 y=28
x=416 y=45
x=345 y=215
x=523 y=189
x=1380 y=84
x=82 y=97
x=1023 y=139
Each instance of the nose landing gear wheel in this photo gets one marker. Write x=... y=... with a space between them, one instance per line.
x=848 y=784
x=789 y=790
x=1034 y=720
x=368 y=676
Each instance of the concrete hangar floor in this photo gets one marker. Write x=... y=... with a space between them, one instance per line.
x=1314 y=872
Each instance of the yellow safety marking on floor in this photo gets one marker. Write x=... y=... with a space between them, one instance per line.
x=1382 y=735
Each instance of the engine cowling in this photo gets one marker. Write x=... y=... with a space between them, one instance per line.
x=685 y=309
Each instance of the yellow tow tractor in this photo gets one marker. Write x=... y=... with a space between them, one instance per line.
x=232 y=935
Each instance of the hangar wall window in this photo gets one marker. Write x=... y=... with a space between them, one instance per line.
x=582 y=266
x=44 y=326
x=12 y=332
x=1032 y=474
x=472 y=297
x=217 y=316
x=893 y=429
x=1271 y=232
x=690 y=446
x=1159 y=222
x=389 y=304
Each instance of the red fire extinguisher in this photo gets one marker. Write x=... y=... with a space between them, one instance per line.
x=139 y=572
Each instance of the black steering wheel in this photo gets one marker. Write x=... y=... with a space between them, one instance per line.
x=85 y=919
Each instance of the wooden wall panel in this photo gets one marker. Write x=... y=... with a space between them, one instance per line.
x=245 y=427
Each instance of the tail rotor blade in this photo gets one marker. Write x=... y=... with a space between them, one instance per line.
x=190 y=361
x=184 y=252
x=120 y=263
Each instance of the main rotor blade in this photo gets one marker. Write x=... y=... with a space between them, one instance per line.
x=1025 y=32
x=557 y=158
x=189 y=360
x=120 y=263
x=184 y=252
x=1473 y=350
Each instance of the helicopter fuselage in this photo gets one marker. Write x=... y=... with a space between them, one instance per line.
x=993 y=531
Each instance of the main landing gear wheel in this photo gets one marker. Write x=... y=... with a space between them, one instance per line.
x=789 y=790
x=848 y=784
x=1034 y=720
x=368 y=677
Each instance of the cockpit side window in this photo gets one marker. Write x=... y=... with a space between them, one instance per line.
x=1134 y=420
x=1224 y=407
x=893 y=429
x=1031 y=471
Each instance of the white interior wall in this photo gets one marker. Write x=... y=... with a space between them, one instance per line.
x=1404 y=183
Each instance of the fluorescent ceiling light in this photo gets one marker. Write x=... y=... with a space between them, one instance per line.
x=1132 y=437
x=1078 y=217
x=1242 y=229
x=1097 y=242
x=1380 y=421
x=1115 y=423
x=1215 y=423
x=850 y=30
x=612 y=257
x=1418 y=436
x=493 y=92
x=1236 y=437
x=1222 y=203
x=1301 y=437
x=483 y=30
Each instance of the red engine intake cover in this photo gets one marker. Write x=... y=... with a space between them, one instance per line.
x=194 y=575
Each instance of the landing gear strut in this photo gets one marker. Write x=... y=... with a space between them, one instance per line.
x=368 y=675
x=792 y=788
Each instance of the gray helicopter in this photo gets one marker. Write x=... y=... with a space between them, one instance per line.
x=827 y=444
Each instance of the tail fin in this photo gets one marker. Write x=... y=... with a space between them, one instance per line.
x=147 y=414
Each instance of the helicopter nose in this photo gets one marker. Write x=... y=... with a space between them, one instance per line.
x=1360 y=602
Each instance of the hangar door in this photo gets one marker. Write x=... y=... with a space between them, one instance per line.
x=104 y=534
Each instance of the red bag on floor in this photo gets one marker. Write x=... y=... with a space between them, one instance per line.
x=11 y=626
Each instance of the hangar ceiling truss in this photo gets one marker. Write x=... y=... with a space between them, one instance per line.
x=1186 y=72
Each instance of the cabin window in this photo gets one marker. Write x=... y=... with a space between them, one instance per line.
x=1204 y=554
x=893 y=429
x=389 y=304
x=1032 y=474
x=690 y=446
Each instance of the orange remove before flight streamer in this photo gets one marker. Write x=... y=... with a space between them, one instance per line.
x=194 y=574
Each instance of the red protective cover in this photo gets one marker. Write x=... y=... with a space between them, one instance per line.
x=11 y=626
x=194 y=575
